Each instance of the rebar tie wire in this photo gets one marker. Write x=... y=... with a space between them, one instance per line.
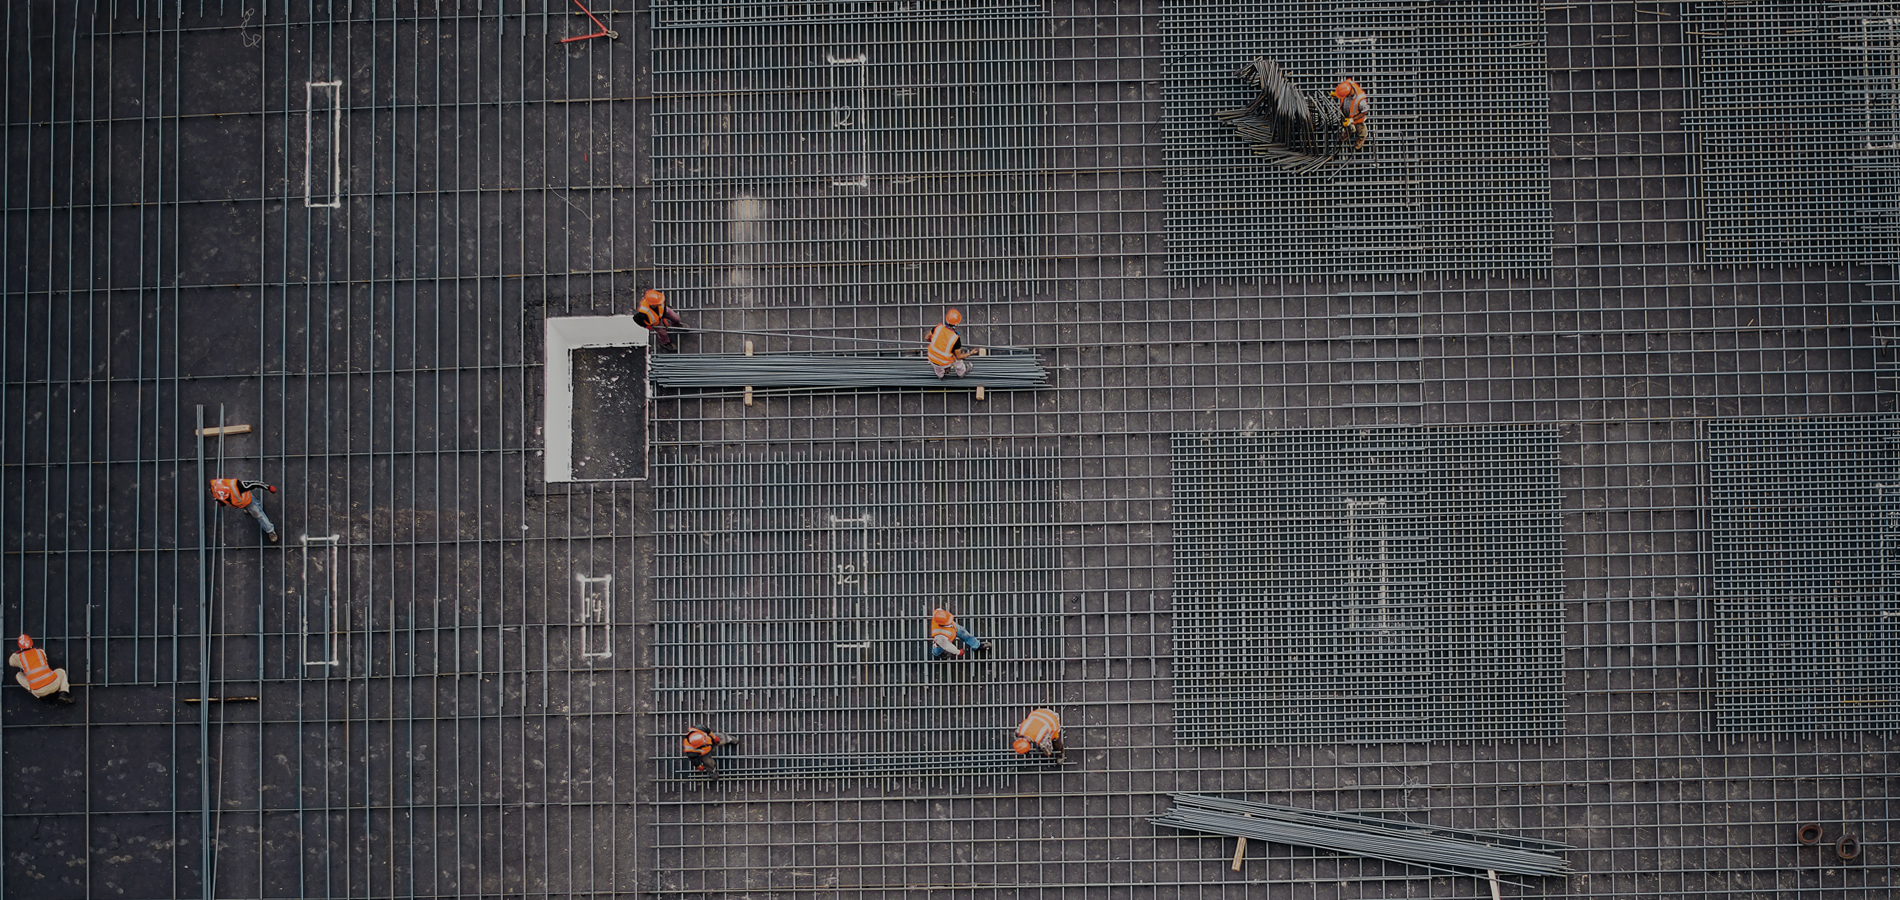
x=604 y=31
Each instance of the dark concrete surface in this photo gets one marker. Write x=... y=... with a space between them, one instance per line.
x=156 y=255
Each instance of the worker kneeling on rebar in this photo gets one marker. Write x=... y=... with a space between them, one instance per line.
x=944 y=347
x=1042 y=730
x=1354 y=108
x=698 y=745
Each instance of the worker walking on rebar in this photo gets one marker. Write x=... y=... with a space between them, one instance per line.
x=944 y=347
x=655 y=316
x=1354 y=108
x=237 y=493
x=38 y=675
x=1042 y=730
x=945 y=633
x=698 y=745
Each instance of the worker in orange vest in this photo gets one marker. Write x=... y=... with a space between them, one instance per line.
x=1355 y=108
x=236 y=492
x=699 y=744
x=944 y=634
x=1042 y=730
x=654 y=316
x=944 y=347
x=38 y=676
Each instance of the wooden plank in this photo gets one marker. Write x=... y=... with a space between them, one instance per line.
x=219 y=430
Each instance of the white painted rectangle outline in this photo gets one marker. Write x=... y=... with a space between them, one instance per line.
x=596 y=609
x=335 y=91
x=332 y=646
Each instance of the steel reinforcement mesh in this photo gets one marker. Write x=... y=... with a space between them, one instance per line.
x=794 y=598
x=1364 y=585
x=814 y=160
x=1804 y=530
x=1455 y=179
x=1798 y=143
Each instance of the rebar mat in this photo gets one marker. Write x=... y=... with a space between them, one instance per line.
x=1359 y=585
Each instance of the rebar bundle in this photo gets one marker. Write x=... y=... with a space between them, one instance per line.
x=1402 y=842
x=1009 y=370
x=1297 y=130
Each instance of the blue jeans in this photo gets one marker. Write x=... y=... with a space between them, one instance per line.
x=963 y=634
x=256 y=509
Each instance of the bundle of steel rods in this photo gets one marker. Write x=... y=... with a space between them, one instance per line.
x=1403 y=842
x=1007 y=370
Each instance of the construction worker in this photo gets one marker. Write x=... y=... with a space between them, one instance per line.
x=1354 y=108
x=36 y=675
x=698 y=745
x=944 y=347
x=944 y=634
x=654 y=316
x=1042 y=730
x=237 y=492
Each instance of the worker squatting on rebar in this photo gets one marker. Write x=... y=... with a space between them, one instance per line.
x=945 y=633
x=1042 y=730
x=654 y=315
x=944 y=346
x=1354 y=109
x=38 y=675
x=237 y=492
x=698 y=746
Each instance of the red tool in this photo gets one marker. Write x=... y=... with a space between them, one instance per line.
x=603 y=32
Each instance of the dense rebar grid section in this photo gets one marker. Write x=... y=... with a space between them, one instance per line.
x=1798 y=139
x=1455 y=179
x=793 y=607
x=339 y=225
x=811 y=160
x=1804 y=529
x=1367 y=585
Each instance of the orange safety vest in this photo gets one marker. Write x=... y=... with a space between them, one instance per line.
x=1354 y=104
x=947 y=629
x=943 y=346
x=1042 y=725
x=697 y=743
x=227 y=492
x=651 y=310
x=38 y=673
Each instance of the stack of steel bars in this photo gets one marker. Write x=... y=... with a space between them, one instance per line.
x=1404 y=842
x=1006 y=370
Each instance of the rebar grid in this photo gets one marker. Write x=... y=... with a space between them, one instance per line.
x=1622 y=347
x=1456 y=177
x=1796 y=130
x=1361 y=585
x=793 y=602
x=336 y=224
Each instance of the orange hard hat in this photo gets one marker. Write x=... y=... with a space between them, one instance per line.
x=953 y=317
x=653 y=295
x=1340 y=90
x=940 y=616
x=1022 y=745
x=25 y=642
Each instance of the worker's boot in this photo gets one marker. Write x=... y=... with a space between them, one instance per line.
x=272 y=535
x=65 y=697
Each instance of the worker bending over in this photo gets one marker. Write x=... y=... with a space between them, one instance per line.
x=1042 y=730
x=37 y=675
x=654 y=316
x=945 y=347
x=237 y=493
x=1355 y=108
x=699 y=744
x=944 y=634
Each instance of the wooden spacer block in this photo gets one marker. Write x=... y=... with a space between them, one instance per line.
x=979 y=392
x=982 y=351
x=748 y=348
x=748 y=395
x=1240 y=852
x=220 y=430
